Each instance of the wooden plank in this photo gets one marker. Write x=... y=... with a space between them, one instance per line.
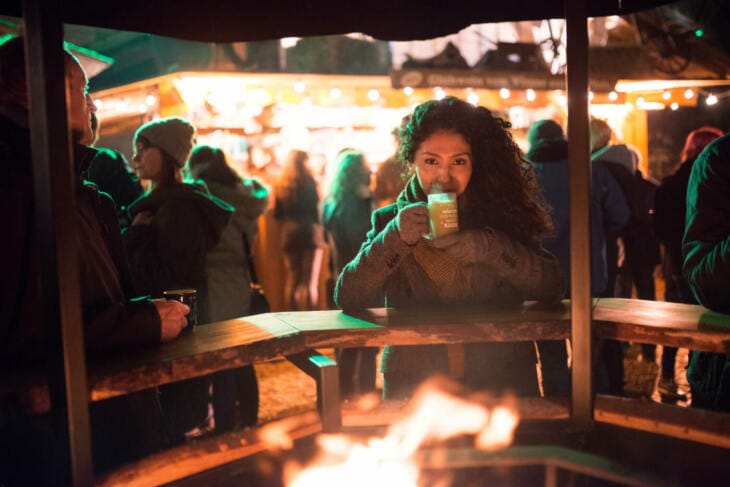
x=208 y=453
x=355 y=415
x=212 y=347
x=674 y=324
x=702 y=426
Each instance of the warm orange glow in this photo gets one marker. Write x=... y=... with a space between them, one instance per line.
x=439 y=410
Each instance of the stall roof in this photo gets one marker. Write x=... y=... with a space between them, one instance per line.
x=249 y=20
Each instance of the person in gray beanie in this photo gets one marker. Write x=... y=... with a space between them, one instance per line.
x=174 y=226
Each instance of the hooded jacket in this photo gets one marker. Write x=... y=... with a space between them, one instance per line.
x=706 y=247
x=170 y=253
x=388 y=272
x=609 y=211
x=227 y=266
x=110 y=319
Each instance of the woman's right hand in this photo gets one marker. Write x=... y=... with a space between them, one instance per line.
x=412 y=222
x=172 y=317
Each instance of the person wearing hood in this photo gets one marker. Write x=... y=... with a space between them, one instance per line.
x=228 y=275
x=346 y=220
x=174 y=226
x=493 y=261
x=123 y=428
x=548 y=153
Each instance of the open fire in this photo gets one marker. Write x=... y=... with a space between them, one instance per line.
x=439 y=411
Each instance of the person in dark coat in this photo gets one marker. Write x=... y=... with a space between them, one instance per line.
x=670 y=206
x=111 y=174
x=346 y=219
x=235 y=392
x=706 y=248
x=296 y=207
x=174 y=226
x=548 y=153
x=493 y=261
x=124 y=428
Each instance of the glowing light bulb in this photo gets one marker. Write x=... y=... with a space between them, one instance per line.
x=591 y=95
x=562 y=99
x=667 y=95
x=299 y=86
x=439 y=93
x=408 y=91
x=530 y=95
x=99 y=104
x=335 y=93
x=640 y=101
x=472 y=98
x=711 y=100
x=150 y=100
x=504 y=93
x=674 y=106
x=613 y=96
x=689 y=93
x=373 y=95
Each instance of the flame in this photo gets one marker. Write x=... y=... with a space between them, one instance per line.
x=438 y=411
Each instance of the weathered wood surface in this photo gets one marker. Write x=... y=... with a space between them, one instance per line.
x=679 y=325
x=708 y=427
x=208 y=453
x=234 y=343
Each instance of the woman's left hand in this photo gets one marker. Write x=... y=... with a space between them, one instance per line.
x=143 y=218
x=468 y=247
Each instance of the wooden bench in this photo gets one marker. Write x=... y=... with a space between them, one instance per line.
x=297 y=335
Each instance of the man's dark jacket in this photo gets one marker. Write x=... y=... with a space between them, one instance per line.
x=110 y=319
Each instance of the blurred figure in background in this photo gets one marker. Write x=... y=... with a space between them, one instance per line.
x=706 y=248
x=548 y=153
x=296 y=206
x=390 y=180
x=111 y=174
x=174 y=226
x=346 y=220
x=235 y=392
x=670 y=206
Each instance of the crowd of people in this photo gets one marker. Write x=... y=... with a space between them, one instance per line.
x=192 y=225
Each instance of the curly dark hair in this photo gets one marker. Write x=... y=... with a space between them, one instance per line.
x=502 y=192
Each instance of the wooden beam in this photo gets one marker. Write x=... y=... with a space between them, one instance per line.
x=702 y=426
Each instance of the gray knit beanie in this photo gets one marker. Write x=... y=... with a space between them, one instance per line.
x=175 y=136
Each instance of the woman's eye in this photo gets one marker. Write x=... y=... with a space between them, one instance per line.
x=430 y=161
x=460 y=161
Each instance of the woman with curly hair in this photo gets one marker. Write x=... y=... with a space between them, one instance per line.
x=494 y=260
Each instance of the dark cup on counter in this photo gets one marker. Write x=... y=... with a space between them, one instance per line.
x=190 y=298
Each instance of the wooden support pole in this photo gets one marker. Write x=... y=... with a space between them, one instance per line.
x=580 y=187
x=53 y=180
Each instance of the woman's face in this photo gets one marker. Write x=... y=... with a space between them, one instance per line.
x=80 y=103
x=148 y=162
x=444 y=161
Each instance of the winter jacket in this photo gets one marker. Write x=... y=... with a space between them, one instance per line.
x=297 y=208
x=227 y=266
x=670 y=207
x=706 y=247
x=110 y=319
x=109 y=171
x=387 y=272
x=347 y=223
x=609 y=214
x=170 y=253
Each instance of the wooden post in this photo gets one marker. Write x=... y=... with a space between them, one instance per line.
x=53 y=182
x=580 y=187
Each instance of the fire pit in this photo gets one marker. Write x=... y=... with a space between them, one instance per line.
x=444 y=449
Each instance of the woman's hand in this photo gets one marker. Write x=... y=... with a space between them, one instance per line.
x=412 y=222
x=172 y=317
x=467 y=247
x=143 y=218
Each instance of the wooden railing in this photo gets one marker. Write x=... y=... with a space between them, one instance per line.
x=297 y=335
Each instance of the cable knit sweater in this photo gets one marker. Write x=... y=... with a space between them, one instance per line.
x=388 y=272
